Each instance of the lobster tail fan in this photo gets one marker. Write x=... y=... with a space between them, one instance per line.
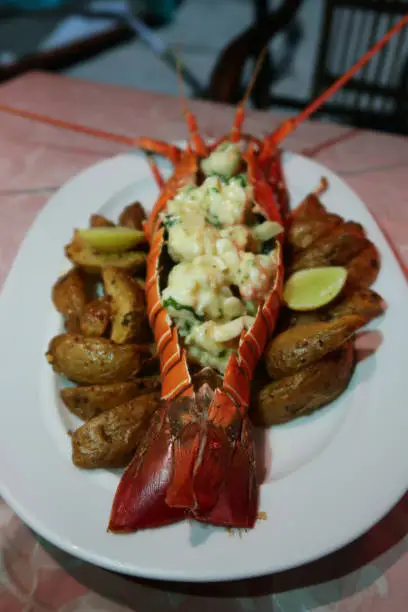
x=140 y=497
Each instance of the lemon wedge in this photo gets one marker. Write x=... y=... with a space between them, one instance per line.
x=111 y=239
x=314 y=287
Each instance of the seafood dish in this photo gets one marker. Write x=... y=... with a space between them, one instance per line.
x=223 y=310
x=219 y=255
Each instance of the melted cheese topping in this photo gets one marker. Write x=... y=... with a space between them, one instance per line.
x=221 y=273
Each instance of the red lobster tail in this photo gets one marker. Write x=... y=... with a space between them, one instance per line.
x=216 y=451
x=237 y=504
x=139 y=501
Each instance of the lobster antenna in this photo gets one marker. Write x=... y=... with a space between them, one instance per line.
x=291 y=124
x=191 y=121
x=240 y=113
x=67 y=125
x=255 y=74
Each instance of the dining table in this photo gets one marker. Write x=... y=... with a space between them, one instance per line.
x=369 y=574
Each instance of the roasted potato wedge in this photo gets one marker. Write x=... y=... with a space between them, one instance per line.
x=129 y=322
x=100 y=221
x=109 y=439
x=133 y=216
x=301 y=345
x=69 y=294
x=96 y=316
x=302 y=234
x=336 y=248
x=93 y=361
x=93 y=263
x=88 y=402
x=290 y=318
x=310 y=208
x=305 y=391
x=362 y=302
x=363 y=269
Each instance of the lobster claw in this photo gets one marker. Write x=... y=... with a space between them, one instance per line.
x=139 y=501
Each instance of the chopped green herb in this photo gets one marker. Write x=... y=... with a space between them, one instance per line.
x=251 y=307
x=220 y=177
x=242 y=179
x=215 y=189
x=170 y=220
x=214 y=220
x=222 y=354
x=185 y=328
x=172 y=303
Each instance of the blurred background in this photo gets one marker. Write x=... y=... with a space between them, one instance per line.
x=135 y=43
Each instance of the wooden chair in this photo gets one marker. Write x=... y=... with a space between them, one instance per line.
x=376 y=98
x=227 y=78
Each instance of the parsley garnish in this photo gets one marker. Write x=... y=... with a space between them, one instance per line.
x=251 y=308
x=214 y=220
x=242 y=180
x=172 y=303
x=170 y=220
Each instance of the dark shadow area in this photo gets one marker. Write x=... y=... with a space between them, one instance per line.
x=383 y=538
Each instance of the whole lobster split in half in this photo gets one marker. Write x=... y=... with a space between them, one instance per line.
x=214 y=289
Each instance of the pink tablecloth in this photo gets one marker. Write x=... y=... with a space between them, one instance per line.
x=369 y=575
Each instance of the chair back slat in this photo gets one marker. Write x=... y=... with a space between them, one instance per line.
x=349 y=29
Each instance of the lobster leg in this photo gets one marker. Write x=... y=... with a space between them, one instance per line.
x=240 y=112
x=155 y=171
x=171 y=152
x=199 y=144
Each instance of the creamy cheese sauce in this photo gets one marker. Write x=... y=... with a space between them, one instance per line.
x=223 y=269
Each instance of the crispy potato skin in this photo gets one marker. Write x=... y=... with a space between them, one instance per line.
x=305 y=391
x=362 y=302
x=303 y=233
x=363 y=269
x=310 y=208
x=301 y=345
x=95 y=318
x=352 y=301
x=69 y=294
x=93 y=361
x=290 y=318
x=129 y=322
x=93 y=263
x=133 y=216
x=100 y=221
x=109 y=439
x=336 y=248
x=88 y=402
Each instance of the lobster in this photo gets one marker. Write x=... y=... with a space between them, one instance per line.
x=197 y=458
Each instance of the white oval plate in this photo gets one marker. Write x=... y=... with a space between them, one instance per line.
x=333 y=475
